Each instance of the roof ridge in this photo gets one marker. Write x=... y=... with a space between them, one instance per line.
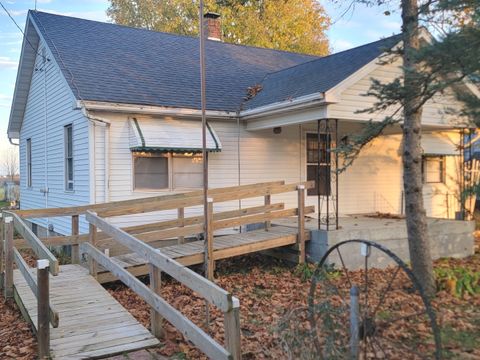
x=330 y=55
x=315 y=57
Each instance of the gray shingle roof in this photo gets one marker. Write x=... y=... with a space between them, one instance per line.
x=115 y=63
x=318 y=75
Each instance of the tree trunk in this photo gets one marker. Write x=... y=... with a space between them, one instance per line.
x=416 y=217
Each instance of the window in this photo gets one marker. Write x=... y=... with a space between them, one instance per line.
x=187 y=171
x=68 y=134
x=314 y=171
x=154 y=171
x=29 y=162
x=151 y=172
x=433 y=169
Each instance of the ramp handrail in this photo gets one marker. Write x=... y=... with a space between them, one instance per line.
x=34 y=242
x=130 y=206
x=39 y=286
x=160 y=262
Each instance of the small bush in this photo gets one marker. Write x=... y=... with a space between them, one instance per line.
x=458 y=281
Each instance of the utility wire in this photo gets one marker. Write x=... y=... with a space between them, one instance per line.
x=24 y=37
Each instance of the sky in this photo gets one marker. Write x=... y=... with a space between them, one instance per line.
x=351 y=26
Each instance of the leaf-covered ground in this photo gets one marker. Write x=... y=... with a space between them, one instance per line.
x=268 y=290
x=16 y=338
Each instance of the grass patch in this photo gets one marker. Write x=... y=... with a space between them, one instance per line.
x=453 y=339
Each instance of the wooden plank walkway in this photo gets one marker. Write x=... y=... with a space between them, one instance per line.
x=226 y=246
x=92 y=323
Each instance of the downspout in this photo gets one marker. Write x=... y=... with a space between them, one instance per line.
x=93 y=157
x=106 y=182
x=11 y=142
x=98 y=121
x=46 y=189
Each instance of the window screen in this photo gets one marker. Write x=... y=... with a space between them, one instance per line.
x=150 y=172
x=433 y=169
x=187 y=172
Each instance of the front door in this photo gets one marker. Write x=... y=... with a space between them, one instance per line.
x=319 y=163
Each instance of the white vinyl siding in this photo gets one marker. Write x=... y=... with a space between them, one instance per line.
x=373 y=183
x=50 y=107
x=437 y=111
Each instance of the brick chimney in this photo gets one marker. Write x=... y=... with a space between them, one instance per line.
x=213 y=28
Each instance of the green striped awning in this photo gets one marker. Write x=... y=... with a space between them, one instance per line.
x=168 y=135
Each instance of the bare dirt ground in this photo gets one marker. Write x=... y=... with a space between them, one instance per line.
x=268 y=289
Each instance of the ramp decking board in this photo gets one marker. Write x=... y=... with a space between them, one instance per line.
x=92 y=323
x=225 y=246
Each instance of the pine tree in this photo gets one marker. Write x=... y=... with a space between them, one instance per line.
x=449 y=60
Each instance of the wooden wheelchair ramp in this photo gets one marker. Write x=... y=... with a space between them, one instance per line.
x=226 y=246
x=92 y=323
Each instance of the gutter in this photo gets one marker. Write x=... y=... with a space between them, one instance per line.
x=153 y=110
x=289 y=105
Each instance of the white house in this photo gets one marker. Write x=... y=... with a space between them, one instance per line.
x=104 y=112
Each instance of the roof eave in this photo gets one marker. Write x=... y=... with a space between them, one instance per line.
x=301 y=102
x=24 y=70
x=100 y=106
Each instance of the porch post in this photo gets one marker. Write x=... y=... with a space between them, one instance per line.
x=75 y=249
x=336 y=175
x=328 y=161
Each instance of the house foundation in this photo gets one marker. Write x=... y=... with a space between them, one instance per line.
x=448 y=238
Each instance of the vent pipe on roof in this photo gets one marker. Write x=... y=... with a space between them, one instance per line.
x=213 y=27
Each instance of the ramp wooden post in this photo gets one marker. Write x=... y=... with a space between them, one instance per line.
x=75 y=249
x=209 y=262
x=8 y=280
x=181 y=218
x=92 y=239
x=267 y=201
x=301 y=223
x=43 y=303
x=156 y=320
x=232 y=330
x=2 y=246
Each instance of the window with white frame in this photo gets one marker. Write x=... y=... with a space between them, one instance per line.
x=29 y=162
x=68 y=140
x=166 y=171
x=433 y=169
